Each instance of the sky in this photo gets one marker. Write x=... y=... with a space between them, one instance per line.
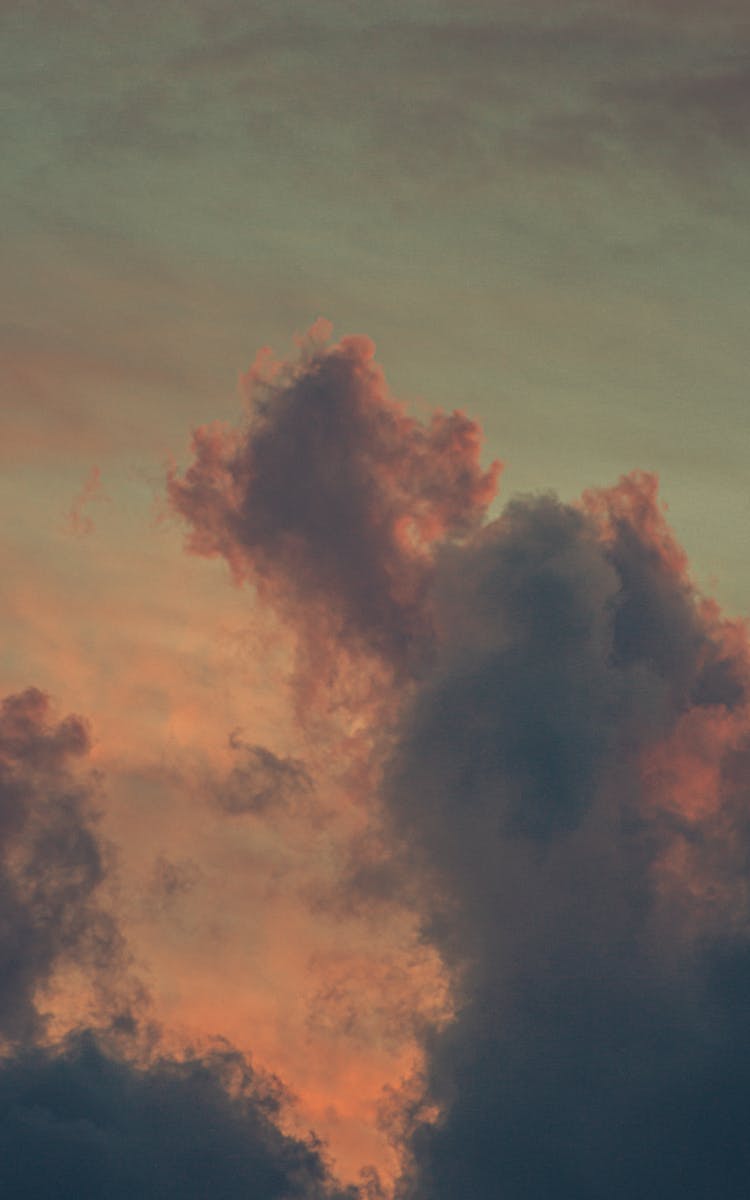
x=375 y=684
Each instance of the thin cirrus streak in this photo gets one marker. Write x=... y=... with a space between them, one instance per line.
x=497 y=885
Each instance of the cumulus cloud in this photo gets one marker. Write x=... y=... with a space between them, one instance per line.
x=331 y=499
x=114 y=1111
x=76 y=1122
x=572 y=783
x=52 y=861
x=564 y=797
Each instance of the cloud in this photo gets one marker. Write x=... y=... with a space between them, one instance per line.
x=262 y=782
x=564 y=790
x=330 y=498
x=571 y=785
x=76 y=1122
x=119 y=1109
x=52 y=861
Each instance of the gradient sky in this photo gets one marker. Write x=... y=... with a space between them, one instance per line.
x=538 y=212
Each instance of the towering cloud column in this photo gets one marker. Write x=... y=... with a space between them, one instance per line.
x=573 y=785
x=566 y=793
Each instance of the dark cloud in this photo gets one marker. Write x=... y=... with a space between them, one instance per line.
x=565 y=797
x=51 y=859
x=106 y=1113
x=77 y=1124
x=572 y=787
x=331 y=500
x=262 y=782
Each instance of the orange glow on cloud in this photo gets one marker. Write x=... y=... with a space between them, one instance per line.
x=247 y=744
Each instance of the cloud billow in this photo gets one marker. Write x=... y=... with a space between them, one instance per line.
x=331 y=499
x=52 y=860
x=565 y=791
x=589 y=896
x=78 y=1124
x=106 y=1111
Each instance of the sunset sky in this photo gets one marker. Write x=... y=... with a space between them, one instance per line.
x=375 y=750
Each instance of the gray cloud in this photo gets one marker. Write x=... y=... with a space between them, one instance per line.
x=598 y=928
x=52 y=861
x=262 y=782
x=77 y=1124
x=105 y=1113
